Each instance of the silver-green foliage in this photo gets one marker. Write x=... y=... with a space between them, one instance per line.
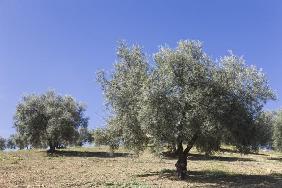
x=11 y=142
x=2 y=143
x=247 y=90
x=277 y=132
x=106 y=137
x=49 y=120
x=265 y=128
x=123 y=94
x=17 y=141
x=185 y=97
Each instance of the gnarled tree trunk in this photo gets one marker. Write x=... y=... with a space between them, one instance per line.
x=181 y=164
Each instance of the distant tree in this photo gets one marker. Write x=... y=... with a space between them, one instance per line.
x=185 y=99
x=2 y=143
x=265 y=128
x=106 y=137
x=17 y=141
x=49 y=120
x=84 y=136
x=277 y=131
x=11 y=142
x=21 y=140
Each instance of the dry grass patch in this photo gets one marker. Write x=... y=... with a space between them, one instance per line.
x=95 y=167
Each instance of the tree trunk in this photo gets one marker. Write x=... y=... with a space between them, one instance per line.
x=52 y=148
x=181 y=164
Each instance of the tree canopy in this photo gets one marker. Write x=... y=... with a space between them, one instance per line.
x=124 y=94
x=184 y=97
x=49 y=120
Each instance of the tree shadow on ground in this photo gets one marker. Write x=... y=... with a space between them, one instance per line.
x=275 y=159
x=236 y=151
x=221 y=179
x=201 y=157
x=67 y=153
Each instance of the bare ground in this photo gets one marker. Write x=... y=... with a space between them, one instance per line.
x=95 y=167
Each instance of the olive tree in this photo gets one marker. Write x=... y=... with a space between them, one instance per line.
x=17 y=141
x=11 y=142
x=49 y=120
x=2 y=143
x=84 y=136
x=185 y=99
x=277 y=131
x=265 y=129
x=123 y=92
x=106 y=137
x=244 y=90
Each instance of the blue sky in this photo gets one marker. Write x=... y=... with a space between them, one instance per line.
x=60 y=45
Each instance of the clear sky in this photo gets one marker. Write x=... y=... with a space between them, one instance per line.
x=61 y=44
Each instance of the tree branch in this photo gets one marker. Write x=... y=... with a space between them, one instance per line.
x=191 y=144
x=179 y=146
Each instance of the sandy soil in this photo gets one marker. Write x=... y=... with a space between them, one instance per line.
x=95 y=167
